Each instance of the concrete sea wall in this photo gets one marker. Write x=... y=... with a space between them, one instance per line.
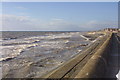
x=97 y=64
x=91 y=63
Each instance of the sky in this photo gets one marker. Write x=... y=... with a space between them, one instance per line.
x=58 y=16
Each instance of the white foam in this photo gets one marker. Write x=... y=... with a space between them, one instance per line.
x=87 y=39
x=97 y=38
x=13 y=51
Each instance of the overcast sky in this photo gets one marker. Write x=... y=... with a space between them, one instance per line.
x=58 y=16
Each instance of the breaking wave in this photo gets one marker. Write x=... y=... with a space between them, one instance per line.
x=10 y=52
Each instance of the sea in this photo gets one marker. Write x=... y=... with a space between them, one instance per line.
x=31 y=54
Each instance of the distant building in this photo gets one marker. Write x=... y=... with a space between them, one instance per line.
x=112 y=29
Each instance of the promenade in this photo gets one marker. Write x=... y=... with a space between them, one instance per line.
x=100 y=60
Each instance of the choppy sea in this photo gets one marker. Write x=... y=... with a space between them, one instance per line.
x=32 y=53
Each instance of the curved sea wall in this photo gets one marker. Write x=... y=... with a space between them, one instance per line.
x=97 y=65
x=91 y=63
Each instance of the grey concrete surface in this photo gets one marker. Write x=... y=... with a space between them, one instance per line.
x=114 y=58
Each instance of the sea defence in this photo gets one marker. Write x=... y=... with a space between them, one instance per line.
x=92 y=62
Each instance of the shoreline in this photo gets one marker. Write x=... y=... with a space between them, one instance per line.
x=51 y=50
